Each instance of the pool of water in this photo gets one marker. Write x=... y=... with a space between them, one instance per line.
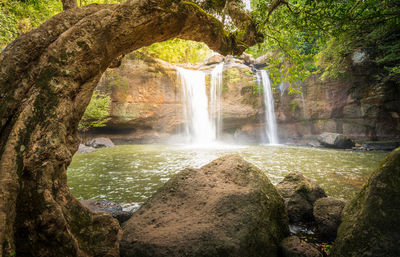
x=129 y=174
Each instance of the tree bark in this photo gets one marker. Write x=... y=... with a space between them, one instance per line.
x=47 y=78
x=69 y=4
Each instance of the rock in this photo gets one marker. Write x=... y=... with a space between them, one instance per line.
x=261 y=61
x=370 y=222
x=85 y=149
x=327 y=214
x=294 y=247
x=214 y=59
x=100 y=205
x=359 y=57
x=335 y=140
x=248 y=58
x=226 y=208
x=300 y=195
x=387 y=145
x=101 y=142
x=122 y=216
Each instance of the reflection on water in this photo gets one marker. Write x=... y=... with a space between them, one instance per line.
x=131 y=173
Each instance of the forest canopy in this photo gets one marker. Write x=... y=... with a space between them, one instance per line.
x=302 y=37
x=306 y=36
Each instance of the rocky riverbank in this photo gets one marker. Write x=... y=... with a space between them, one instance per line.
x=229 y=208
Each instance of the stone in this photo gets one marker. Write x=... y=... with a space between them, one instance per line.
x=101 y=142
x=110 y=207
x=248 y=58
x=214 y=59
x=122 y=216
x=85 y=149
x=335 y=140
x=327 y=214
x=226 y=208
x=359 y=57
x=294 y=247
x=370 y=222
x=262 y=60
x=100 y=205
x=300 y=195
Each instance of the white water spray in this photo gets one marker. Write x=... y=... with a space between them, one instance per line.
x=198 y=127
x=216 y=99
x=271 y=127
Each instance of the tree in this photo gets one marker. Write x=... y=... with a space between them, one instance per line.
x=47 y=77
x=69 y=4
x=318 y=36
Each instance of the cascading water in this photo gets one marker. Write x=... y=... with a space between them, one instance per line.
x=198 y=127
x=216 y=100
x=271 y=127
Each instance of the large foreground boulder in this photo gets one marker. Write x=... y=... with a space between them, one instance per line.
x=300 y=195
x=226 y=208
x=335 y=140
x=371 y=221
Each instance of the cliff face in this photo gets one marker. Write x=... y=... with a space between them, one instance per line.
x=147 y=104
x=358 y=106
x=146 y=99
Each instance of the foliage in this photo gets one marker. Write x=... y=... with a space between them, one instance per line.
x=178 y=51
x=18 y=17
x=97 y=113
x=395 y=70
x=305 y=36
x=87 y=2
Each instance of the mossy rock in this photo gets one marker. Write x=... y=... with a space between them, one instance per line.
x=226 y=208
x=371 y=221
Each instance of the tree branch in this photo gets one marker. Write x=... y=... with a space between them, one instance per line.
x=69 y=4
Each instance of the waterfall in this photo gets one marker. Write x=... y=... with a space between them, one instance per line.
x=270 y=127
x=216 y=99
x=199 y=127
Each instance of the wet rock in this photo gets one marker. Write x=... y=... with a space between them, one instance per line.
x=122 y=216
x=387 y=145
x=226 y=208
x=248 y=58
x=101 y=142
x=294 y=247
x=327 y=214
x=335 y=140
x=300 y=195
x=100 y=205
x=85 y=149
x=214 y=59
x=370 y=222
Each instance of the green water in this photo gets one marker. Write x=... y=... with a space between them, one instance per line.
x=130 y=174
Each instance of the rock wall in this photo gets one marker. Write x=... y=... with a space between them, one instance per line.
x=358 y=106
x=147 y=104
x=146 y=100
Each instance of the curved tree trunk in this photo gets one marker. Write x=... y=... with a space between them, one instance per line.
x=47 y=78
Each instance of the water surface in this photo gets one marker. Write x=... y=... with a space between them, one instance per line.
x=129 y=174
